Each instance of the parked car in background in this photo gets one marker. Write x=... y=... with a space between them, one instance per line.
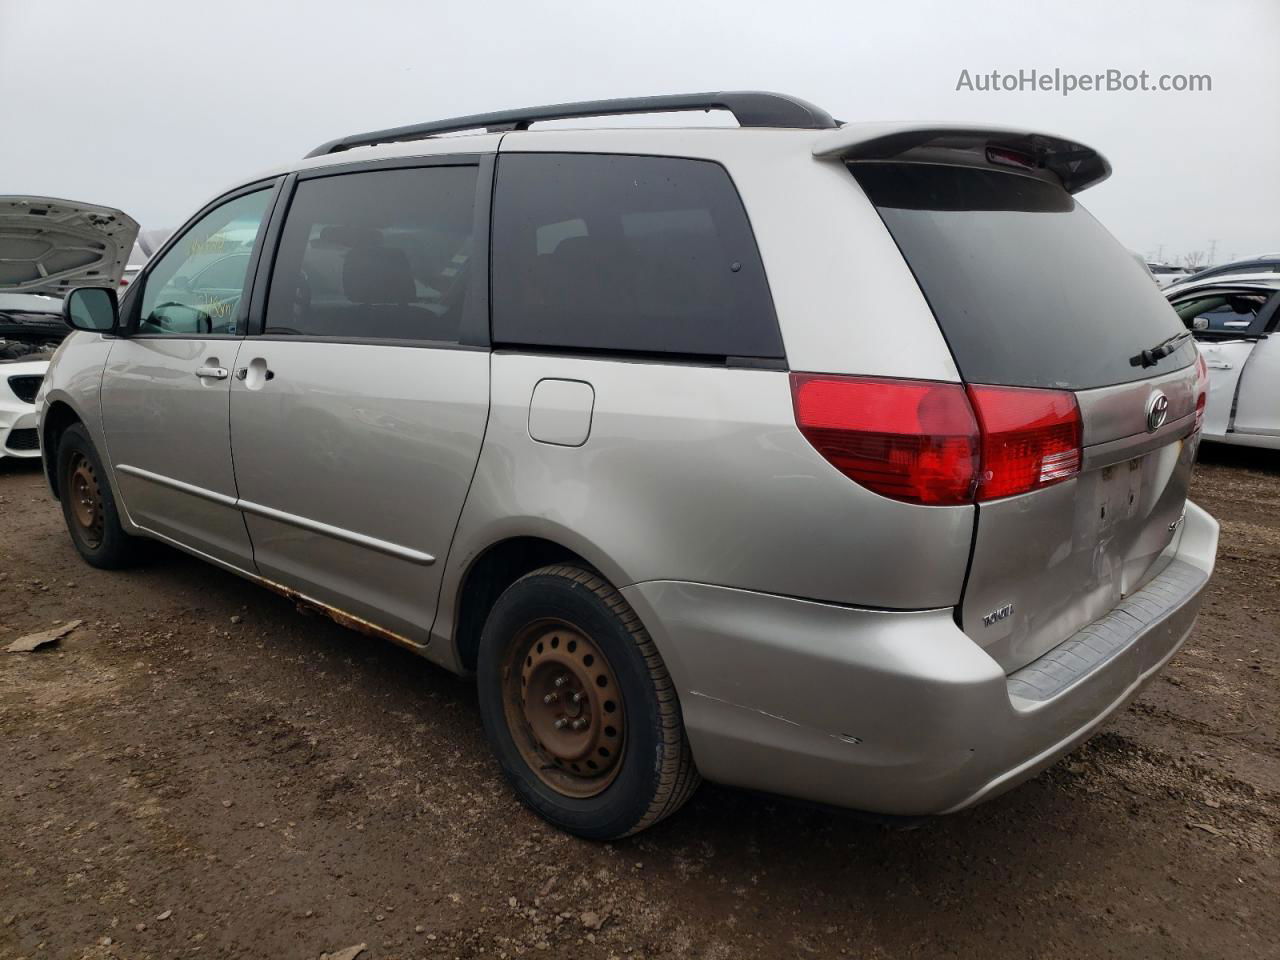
x=31 y=327
x=137 y=260
x=47 y=247
x=1235 y=321
x=1167 y=273
x=614 y=420
x=148 y=242
x=1269 y=263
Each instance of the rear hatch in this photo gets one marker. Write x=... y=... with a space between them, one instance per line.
x=1031 y=292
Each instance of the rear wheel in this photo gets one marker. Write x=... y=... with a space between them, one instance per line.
x=88 y=504
x=579 y=708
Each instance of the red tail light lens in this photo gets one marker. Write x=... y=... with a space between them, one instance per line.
x=910 y=440
x=1202 y=388
x=936 y=443
x=1030 y=438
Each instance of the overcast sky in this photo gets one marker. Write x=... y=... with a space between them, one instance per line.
x=155 y=106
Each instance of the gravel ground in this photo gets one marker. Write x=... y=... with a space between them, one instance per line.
x=198 y=770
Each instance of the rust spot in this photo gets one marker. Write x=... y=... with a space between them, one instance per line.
x=340 y=617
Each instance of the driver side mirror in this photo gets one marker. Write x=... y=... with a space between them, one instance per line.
x=94 y=309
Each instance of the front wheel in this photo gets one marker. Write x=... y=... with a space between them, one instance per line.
x=88 y=505
x=579 y=708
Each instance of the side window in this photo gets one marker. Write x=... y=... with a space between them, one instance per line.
x=627 y=253
x=195 y=288
x=1222 y=313
x=380 y=255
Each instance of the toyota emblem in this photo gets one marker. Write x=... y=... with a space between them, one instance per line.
x=1157 y=411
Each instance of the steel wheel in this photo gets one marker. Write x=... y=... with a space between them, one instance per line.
x=85 y=499
x=564 y=708
x=578 y=706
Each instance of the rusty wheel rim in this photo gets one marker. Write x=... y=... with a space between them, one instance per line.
x=564 y=708
x=86 y=499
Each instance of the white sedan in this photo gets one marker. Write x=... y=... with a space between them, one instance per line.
x=1236 y=324
x=31 y=328
x=1167 y=273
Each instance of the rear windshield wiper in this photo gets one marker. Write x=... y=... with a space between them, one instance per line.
x=1152 y=356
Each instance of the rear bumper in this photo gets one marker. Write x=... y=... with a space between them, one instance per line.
x=901 y=713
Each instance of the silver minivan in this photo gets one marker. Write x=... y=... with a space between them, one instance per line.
x=841 y=461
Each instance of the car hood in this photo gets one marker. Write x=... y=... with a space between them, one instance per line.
x=49 y=246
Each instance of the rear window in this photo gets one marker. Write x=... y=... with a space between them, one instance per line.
x=629 y=254
x=1028 y=288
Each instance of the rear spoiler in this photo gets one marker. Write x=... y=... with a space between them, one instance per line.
x=1075 y=165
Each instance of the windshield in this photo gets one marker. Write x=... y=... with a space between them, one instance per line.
x=1028 y=288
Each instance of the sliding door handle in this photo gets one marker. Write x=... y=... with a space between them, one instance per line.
x=255 y=374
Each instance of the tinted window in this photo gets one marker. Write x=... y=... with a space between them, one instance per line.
x=638 y=254
x=1028 y=288
x=196 y=287
x=378 y=255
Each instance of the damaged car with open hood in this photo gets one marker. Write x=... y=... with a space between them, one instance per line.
x=47 y=247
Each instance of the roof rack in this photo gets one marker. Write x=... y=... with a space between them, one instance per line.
x=750 y=108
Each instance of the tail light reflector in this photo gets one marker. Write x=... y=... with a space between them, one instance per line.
x=939 y=444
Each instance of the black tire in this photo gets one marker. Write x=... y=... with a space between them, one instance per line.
x=81 y=478
x=654 y=774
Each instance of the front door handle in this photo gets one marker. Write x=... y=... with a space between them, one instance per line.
x=212 y=373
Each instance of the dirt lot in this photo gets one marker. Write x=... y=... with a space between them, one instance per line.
x=201 y=771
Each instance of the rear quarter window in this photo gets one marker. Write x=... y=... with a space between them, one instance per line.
x=629 y=254
x=1028 y=288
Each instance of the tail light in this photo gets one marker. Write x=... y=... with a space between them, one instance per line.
x=937 y=443
x=911 y=440
x=1202 y=388
x=1030 y=438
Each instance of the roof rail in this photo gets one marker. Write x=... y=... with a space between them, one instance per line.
x=750 y=108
